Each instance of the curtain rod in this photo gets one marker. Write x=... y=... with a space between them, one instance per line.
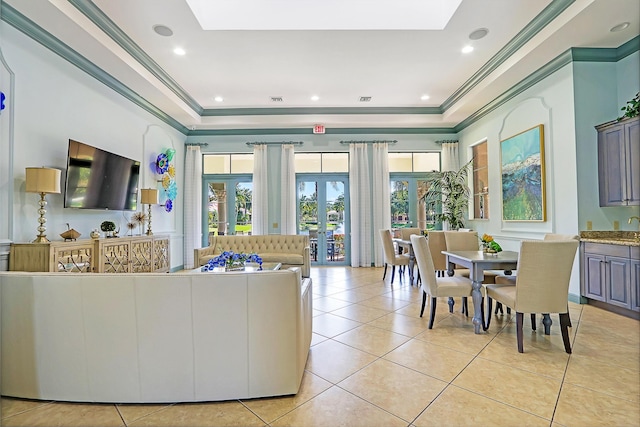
x=275 y=143
x=201 y=144
x=369 y=142
x=444 y=141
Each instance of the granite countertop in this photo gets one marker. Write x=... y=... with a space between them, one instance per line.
x=625 y=238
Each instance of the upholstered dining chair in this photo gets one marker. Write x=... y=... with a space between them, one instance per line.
x=390 y=255
x=455 y=286
x=542 y=284
x=437 y=244
x=406 y=233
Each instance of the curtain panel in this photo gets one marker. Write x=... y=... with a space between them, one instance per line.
x=192 y=204
x=360 y=194
x=450 y=160
x=288 y=190
x=381 y=198
x=260 y=196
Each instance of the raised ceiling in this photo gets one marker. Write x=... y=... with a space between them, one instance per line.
x=248 y=68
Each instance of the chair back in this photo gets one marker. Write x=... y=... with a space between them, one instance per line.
x=425 y=264
x=387 y=245
x=437 y=244
x=462 y=240
x=405 y=233
x=544 y=272
x=555 y=236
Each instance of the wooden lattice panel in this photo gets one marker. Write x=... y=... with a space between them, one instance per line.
x=77 y=260
x=115 y=257
x=161 y=255
x=141 y=252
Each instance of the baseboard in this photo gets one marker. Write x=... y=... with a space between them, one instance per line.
x=615 y=309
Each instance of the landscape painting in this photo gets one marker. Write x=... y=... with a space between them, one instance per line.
x=522 y=167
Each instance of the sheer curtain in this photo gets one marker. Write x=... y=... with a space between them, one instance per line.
x=381 y=197
x=360 y=193
x=192 y=204
x=288 y=190
x=260 y=196
x=450 y=160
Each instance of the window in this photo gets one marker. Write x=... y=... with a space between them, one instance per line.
x=321 y=162
x=480 y=181
x=227 y=163
x=414 y=162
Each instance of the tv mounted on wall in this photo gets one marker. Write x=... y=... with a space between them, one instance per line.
x=98 y=179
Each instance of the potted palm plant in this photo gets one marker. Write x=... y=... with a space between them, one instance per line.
x=448 y=194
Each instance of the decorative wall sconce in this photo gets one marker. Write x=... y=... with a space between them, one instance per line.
x=149 y=196
x=42 y=181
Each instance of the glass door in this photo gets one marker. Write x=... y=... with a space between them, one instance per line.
x=228 y=202
x=323 y=215
x=407 y=207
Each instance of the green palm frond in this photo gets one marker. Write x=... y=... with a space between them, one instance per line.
x=449 y=191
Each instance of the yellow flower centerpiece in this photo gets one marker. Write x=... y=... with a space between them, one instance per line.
x=489 y=245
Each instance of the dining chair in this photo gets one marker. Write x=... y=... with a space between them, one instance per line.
x=454 y=286
x=437 y=244
x=542 y=284
x=390 y=255
x=406 y=233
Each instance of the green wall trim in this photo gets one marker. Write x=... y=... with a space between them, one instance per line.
x=632 y=46
x=318 y=110
x=577 y=299
x=534 y=27
x=331 y=131
x=91 y=11
x=37 y=33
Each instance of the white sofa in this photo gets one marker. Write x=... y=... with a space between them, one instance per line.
x=290 y=250
x=152 y=337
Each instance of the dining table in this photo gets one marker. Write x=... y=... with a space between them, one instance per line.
x=407 y=246
x=477 y=262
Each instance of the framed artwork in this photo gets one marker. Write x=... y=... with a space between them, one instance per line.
x=522 y=172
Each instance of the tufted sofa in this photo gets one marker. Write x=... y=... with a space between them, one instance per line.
x=290 y=250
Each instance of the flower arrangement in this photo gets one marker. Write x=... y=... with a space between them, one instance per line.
x=490 y=245
x=231 y=260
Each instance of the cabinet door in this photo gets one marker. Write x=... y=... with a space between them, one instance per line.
x=114 y=256
x=612 y=166
x=141 y=255
x=635 y=285
x=618 y=279
x=632 y=137
x=594 y=276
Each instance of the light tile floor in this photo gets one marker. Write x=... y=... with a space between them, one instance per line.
x=374 y=362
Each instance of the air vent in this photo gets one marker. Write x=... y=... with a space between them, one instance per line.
x=365 y=98
x=276 y=99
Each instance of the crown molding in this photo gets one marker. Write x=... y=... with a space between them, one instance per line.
x=330 y=131
x=318 y=110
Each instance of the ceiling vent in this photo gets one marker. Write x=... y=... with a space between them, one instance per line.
x=365 y=98
x=276 y=99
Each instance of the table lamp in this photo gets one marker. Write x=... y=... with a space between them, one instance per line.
x=149 y=196
x=43 y=181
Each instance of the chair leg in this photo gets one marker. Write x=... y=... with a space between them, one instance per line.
x=424 y=301
x=489 y=304
x=508 y=310
x=533 y=321
x=465 y=306
x=569 y=317
x=564 y=328
x=498 y=308
x=546 y=321
x=519 y=322
x=385 y=271
x=451 y=304
x=393 y=272
x=432 y=314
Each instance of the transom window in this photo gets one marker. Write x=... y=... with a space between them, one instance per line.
x=414 y=162
x=227 y=163
x=321 y=162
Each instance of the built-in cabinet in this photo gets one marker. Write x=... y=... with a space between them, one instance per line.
x=619 y=162
x=611 y=274
x=116 y=255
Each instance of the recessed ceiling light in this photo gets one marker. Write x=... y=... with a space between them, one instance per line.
x=163 y=30
x=467 y=49
x=315 y=98
x=179 y=51
x=218 y=99
x=424 y=97
x=478 y=34
x=620 y=27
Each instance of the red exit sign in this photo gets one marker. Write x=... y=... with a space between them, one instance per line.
x=318 y=128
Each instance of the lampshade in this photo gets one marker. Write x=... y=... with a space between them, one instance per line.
x=43 y=180
x=149 y=196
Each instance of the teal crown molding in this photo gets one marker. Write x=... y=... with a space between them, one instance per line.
x=319 y=110
x=37 y=33
x=91 y=11
x=594 y=54
x=331 y=131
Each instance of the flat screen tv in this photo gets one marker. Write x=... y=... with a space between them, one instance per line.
x=98 y=179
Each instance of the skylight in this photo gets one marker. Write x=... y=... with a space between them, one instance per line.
x=323 y=14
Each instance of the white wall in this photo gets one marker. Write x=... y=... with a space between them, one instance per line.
x=55 y=101
x=550 y=103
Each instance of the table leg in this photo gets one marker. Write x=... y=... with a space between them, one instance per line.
x=476 y=296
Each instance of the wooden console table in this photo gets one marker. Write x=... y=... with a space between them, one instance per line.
x=116 y=255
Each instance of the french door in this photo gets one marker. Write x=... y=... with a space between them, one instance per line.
x=407 y=207
x=228 y=202
x=323 y=214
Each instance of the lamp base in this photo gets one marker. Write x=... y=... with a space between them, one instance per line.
x=41 y=239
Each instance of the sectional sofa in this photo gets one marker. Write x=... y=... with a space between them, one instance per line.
x=153 y=337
